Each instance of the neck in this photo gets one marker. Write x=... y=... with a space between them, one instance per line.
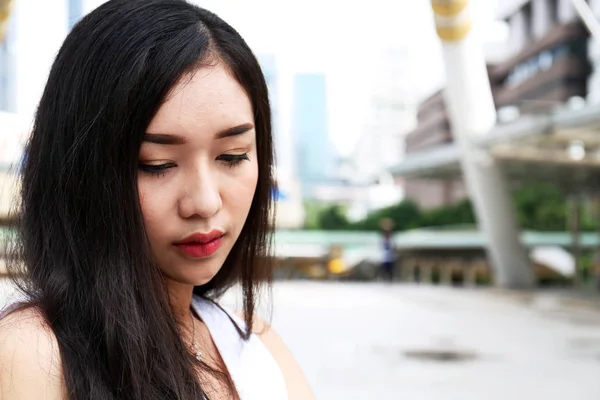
x=180 y=297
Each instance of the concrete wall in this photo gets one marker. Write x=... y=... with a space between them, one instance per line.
x=566 y=11
x=542 y=17
x=593 y=96
x=519 y=32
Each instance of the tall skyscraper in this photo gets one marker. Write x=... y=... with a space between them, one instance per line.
x=314 y=154
x=268 y=64
x=7 y=66
x=391 y=115
x=287 y=194
x=75 y=8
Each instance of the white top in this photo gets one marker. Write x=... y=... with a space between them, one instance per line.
x=251 y=365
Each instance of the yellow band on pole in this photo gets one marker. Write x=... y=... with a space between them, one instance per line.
x=448 y=8
x=5 y=6
x=453 y=33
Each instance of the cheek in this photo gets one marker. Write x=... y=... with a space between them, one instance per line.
x=153 y=203
x=240 y=192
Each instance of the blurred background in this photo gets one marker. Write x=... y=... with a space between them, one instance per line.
x=438 y=186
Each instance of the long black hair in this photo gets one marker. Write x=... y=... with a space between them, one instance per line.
x=82 y=255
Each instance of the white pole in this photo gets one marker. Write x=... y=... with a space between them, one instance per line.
x=472 y=113
x=589 y=19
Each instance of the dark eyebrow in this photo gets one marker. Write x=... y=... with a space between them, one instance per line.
x=236 y=130
x=159 y=138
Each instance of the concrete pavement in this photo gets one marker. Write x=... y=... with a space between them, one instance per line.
x=376 y=341
x=384 y=342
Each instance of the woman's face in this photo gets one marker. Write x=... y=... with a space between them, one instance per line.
x=198 y=173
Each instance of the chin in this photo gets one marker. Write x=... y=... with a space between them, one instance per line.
x=201 y=279
x=201 y=283
x=190 y=280
x=192 y=275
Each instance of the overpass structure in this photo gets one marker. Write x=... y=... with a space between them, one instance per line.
x=560 y=147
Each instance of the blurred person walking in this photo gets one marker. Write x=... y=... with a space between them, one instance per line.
x=389 y=256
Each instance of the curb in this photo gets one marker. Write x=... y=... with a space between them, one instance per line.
x=581 y=300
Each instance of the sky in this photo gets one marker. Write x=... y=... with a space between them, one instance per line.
x=344 y=40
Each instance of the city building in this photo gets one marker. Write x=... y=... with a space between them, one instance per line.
x=315 y=158
x=269 y=66
x=363 y=183
x=23 y=73
x=290 y=210
x=391 y=115
x=75 y=12
x=12 y=125
x=545 y=65
x=7 y=64
x=593 y=96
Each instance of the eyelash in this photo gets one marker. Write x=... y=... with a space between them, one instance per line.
x=230 y=160
x=158 y=170
x=233 y=159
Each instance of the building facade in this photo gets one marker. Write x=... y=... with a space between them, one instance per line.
x=281 y=139
x=75 y=12
x=546 y=65
x=391 y=113
x=290 y=211
x=594 y=57
x=8 y=66
x=315 y=158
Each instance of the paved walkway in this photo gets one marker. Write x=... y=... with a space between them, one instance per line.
x=372 y=341
x=384 y=342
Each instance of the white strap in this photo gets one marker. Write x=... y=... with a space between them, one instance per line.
x=224 y=335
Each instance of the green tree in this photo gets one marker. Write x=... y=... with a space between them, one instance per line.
x=460 y=213
x=333 y=218
x=541 y=207
x=406 y=215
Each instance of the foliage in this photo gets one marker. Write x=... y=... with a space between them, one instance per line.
x=333 y=218
x=406 y=215
x=539 y=207
x=454 y=214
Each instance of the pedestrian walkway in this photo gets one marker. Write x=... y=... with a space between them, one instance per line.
x=407 y=342
x=389 y=342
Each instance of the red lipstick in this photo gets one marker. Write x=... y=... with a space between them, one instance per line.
x=200 y=245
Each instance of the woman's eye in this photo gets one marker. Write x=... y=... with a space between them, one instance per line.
x=233 y=159
x=156 y=169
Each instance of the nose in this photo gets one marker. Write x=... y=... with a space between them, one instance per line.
x=201 y=197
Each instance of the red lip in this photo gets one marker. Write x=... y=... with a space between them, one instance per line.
x=200 y=245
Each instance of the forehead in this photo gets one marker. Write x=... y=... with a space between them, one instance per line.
x=205 y=101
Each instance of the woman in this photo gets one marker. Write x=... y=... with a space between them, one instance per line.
x=145 y=194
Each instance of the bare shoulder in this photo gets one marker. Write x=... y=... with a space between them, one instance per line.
x=296 y=383
x=30 y=365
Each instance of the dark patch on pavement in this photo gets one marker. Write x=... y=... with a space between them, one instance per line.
x=440 y=355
